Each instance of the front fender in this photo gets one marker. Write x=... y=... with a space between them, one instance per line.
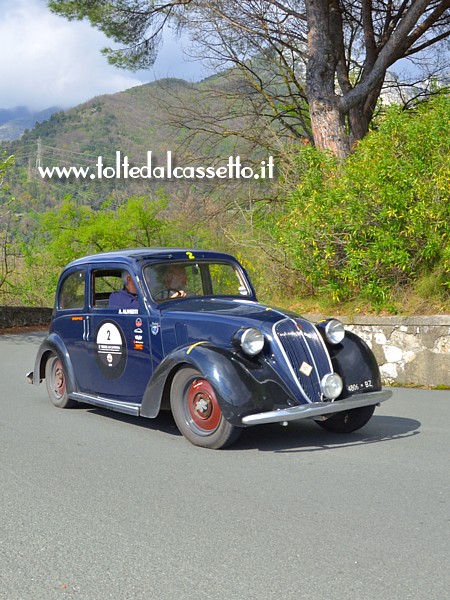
x=242 y=385
x=356 y=364
x=53 y=344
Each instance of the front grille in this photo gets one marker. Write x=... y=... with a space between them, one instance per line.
x=301 y=343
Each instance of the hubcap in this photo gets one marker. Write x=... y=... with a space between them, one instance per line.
x=203 y=407
x=59 y=383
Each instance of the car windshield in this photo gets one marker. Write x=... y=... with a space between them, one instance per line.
x=188 y=279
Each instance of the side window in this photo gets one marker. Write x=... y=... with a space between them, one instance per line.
x=104 y=282
x=71 y=294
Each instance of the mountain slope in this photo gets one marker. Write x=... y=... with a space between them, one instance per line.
x=158 y=117
x=14 y=121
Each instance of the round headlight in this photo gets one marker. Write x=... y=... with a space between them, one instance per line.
x=252 y=341
x=331 y=385
x=334 y=331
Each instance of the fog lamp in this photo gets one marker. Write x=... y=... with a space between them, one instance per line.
x=331 y=386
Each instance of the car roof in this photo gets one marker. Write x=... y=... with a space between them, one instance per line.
x=133 y=255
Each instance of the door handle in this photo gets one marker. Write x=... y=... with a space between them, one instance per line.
x=86 y=329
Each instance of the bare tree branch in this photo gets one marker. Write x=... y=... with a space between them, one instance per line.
x=332 y=55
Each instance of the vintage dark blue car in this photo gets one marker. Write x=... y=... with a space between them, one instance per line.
x=139 y=331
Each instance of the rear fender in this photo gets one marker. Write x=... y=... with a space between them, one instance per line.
x=53 y=344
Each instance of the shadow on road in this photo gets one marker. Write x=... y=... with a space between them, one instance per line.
x=164 y=421
x=308 y=437
x=303 y=436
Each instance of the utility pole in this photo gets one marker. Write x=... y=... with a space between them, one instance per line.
x=38 y=153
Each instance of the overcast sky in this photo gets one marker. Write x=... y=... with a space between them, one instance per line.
x=46 y=60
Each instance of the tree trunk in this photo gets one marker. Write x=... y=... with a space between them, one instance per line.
x=327 y=122
x=328 y=127
x=360 y=115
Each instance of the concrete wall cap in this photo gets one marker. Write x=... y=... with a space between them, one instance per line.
x=393 y=320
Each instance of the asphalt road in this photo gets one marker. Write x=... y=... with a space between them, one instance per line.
x=96 y=505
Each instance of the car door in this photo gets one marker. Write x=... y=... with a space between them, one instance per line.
x=70 y=322
x=118 y=341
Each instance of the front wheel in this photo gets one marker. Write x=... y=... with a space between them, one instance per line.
x=55 y=380
x=197 y=412
x=348 y=420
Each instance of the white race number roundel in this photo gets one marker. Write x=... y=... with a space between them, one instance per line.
x=111 y=350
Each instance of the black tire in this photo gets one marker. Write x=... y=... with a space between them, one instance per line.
x=348 y=421
x=55 y=380
x=197 y=412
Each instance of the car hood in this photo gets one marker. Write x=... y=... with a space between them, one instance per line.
x=216 y=320
x=225 y=309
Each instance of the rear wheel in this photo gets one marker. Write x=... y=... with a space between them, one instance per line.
x=55 y=379
x=197 y=412
x=348 y=420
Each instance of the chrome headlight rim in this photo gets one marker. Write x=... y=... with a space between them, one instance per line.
x=251 y=340
x=334 y=331
x=331 y=385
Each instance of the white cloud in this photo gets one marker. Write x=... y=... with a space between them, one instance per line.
x=46 y=60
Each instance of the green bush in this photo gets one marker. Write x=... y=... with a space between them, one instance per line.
x=378 y=221
x=73 y=230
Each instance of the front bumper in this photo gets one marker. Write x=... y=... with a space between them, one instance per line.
x=317 y=409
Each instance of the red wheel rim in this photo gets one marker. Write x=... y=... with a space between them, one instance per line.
x=59 y=381
x=203 y=407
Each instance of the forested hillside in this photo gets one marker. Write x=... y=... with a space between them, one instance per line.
x=163 y=116
x=368 y=233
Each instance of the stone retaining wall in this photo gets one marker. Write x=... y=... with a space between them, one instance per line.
x=409 y=350
x=12 y=317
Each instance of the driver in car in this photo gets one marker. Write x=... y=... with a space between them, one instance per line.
x=126 y=297
x=175 y=279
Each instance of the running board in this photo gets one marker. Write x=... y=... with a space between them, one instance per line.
x=128 y=408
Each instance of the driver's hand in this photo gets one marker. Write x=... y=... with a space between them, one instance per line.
x=179 y=294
